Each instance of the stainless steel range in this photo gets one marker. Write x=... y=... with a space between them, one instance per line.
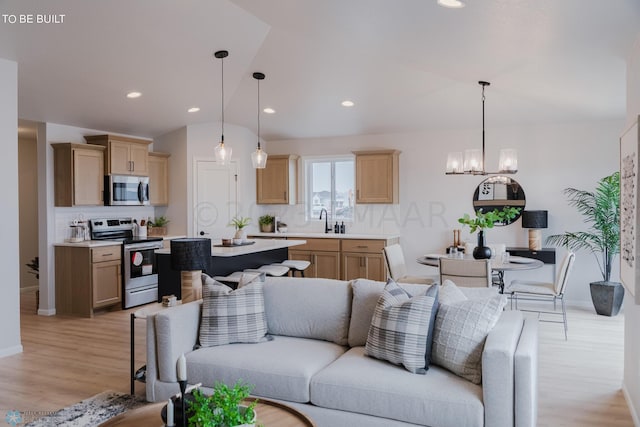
x=139 y=272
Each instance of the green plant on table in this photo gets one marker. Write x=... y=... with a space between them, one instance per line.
x=222 y=407
x=488 y=220
x=240 y=222
x=266 y=219
x=601 y=211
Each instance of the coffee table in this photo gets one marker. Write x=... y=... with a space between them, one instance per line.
x=270 y=414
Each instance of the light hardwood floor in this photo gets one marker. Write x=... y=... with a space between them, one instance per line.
x=68 y=359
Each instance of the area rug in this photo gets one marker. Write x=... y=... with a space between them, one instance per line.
x=90 y=412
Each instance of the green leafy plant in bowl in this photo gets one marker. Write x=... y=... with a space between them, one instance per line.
x=157 y=226
x=224 y=407
x=267 y=223
x=160 y=221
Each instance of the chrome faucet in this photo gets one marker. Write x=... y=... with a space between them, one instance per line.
x=326 y=220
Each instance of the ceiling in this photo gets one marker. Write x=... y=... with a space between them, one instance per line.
x=409 y=65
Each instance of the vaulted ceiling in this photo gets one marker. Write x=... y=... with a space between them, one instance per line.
x=408 y=65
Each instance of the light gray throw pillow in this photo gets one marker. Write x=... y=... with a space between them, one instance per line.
x=232 y=316
x=401 y=327
x=461 y=329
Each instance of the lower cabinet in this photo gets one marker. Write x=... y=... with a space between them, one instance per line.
x=323 y=254
x=363 y=259
x=87 y=279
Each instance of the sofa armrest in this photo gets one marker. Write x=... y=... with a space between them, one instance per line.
x=498 y=370
x=176 y=332
x=526 y=375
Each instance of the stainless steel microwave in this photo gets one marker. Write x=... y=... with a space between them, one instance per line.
x=126 y=190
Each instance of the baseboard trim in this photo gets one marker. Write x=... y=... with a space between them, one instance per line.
x=11 y=351
x=632 y=409
x=45 y=312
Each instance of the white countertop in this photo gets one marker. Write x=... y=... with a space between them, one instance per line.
x=260 y=245
x=327 y=236
x=90 y=243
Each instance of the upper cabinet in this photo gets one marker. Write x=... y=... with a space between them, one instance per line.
x=377 y=176
x=158 y=178
x=78 y=174
x=276 y=184
x=125 y=156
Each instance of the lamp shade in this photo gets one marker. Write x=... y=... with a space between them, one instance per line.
x=190 y=254
x=534 y=219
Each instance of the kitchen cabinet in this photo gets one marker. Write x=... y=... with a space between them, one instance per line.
x=276 y=183
x=377 y=176
x=124 y=155
x=87 y=279
x=323 y=254
x=78 y=171
x=158 y=178
x=363 y=259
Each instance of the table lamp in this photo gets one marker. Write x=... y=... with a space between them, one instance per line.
x=190 y=256
x=534 y=221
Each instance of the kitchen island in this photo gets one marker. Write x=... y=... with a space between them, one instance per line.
x=225 y=260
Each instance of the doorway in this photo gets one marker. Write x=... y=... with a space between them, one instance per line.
x=215 y=199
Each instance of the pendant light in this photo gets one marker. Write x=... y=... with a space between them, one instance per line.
x=259 y=157
x=473 y=161
x=222 y=153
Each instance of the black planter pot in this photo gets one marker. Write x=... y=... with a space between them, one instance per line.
x=607 y=297
x=481 y=251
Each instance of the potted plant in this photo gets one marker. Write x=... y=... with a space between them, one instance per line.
x=240 y=223
x=157 y=227
x=267 y=223
x=600 y=210
x=223 y=408
x=487 y=220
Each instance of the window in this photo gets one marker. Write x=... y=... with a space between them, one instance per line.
x=329 y=185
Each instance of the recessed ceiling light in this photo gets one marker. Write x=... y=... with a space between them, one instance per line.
x=453 y=4
x=193 y=110
x=347 y=103
x=269 y=110
x=132 y=95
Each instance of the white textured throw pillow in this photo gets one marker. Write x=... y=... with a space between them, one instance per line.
x=460 y=332
x=232 y=316
x=400 y=328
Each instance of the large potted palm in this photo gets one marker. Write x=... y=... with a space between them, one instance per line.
x=600 y=210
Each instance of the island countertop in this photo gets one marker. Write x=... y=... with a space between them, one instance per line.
x=260 y=245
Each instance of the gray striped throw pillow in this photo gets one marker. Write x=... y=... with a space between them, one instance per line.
x=232 y=316
x=401 y=327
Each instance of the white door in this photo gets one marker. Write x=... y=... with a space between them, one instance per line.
x=215 y=198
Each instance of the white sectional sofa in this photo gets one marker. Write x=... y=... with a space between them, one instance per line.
x=316 y=362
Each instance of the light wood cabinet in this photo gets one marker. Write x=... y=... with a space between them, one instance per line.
x=78 y=171
x=377 y=176
x=323 y=254
x=158 y=178
x=124 y=156
x=363 y=259
x=87 y=279
x=276 y=183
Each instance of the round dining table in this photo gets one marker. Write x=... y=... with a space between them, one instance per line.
x=497 y=266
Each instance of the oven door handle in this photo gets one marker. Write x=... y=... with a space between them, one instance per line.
x=141 y=247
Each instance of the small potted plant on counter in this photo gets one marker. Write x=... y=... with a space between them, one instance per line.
x=240 y=223
x=267 y=223
x=487 y=220
x=157 y=227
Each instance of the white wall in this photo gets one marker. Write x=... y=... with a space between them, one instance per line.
x=631 y=384
x=9 y=259
x=551 y=158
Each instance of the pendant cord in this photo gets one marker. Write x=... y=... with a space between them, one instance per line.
x=258 y=114
x=483 y=153
x=222 y=98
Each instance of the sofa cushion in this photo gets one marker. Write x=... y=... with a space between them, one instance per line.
x=232 y=316
x=279 y=369
x=460 y=332
x=361 y=384
x=401 y=326
x=365 y=297
x=308 y=308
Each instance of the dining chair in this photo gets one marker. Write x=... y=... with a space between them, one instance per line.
x=543 y=291
x=466 y=272
x=397 y=269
